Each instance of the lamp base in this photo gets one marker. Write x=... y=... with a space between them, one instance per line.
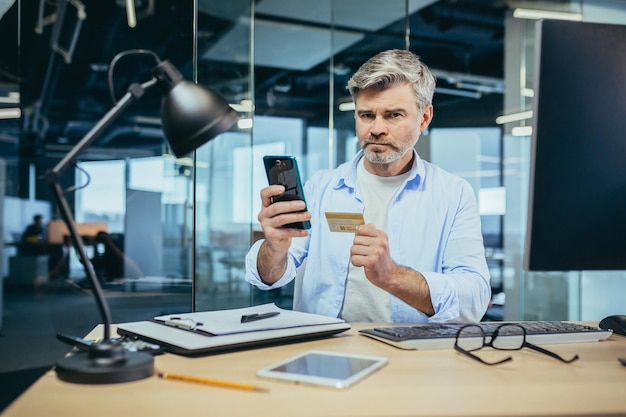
x=105 y=363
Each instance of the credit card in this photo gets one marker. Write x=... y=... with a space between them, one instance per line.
x=344 y=222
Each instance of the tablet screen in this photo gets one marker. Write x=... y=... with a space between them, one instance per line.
x=332 y=369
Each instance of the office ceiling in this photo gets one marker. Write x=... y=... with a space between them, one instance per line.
x=64 y=88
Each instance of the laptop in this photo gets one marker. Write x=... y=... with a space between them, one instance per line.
x=194 y=343
x=205 y=332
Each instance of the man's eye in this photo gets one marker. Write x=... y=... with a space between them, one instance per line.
x=366 y=116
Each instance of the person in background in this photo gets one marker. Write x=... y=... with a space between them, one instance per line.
x=419 y=256
x=34 y=232
x=35 y=243
x=33 y=238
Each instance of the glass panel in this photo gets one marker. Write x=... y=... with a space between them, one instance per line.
x=301 y=63
x=142 y=198
x=224 y=171
x=104 y=199
x=567 y=295
x=474 y=154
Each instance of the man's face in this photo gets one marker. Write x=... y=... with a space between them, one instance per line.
x=388 y=124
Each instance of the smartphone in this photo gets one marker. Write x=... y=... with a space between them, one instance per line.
x=283 y=170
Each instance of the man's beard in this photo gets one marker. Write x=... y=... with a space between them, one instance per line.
x=385 y=157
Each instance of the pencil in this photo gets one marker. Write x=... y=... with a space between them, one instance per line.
x=208 y=381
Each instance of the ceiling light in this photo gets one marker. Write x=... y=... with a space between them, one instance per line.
x=244 y=106
x=244 y=123
x=514 y=117
x=546 y=14
x=462 y=93
x=99 y=67
x=10 y=113
x=148 y=120
x=481 y=88
x=347 y=106
x=522 y=131
x=131 y=17
x=12 y=97
x=470 y=81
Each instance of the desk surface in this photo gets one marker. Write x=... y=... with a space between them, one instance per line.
x=430 y=383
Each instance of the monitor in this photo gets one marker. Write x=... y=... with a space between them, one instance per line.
x=577 y=193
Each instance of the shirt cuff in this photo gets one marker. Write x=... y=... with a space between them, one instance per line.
x=443 y=296
x=252 y=274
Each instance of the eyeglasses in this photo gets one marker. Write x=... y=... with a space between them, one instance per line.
x=471 y=337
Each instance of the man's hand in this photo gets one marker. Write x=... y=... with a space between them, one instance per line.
x=272 y=259
x=370 y=250
x=273 y=216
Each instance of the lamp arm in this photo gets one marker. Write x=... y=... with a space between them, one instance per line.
x=135 y=91
x=77 y=240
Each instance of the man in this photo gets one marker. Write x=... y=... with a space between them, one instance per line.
x=33 y=238
x=33 y=233
x=420 y=255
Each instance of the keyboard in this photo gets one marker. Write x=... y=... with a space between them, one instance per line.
x=430 y=336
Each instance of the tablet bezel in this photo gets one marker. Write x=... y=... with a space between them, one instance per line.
x=273 y=371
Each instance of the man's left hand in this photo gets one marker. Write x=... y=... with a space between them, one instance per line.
x=370 y=250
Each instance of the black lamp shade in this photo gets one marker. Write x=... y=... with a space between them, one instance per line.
x=191 y=115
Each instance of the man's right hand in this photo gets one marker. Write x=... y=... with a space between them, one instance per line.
x=272 y=259
x=273 y=216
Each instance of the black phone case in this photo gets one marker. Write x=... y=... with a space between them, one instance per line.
x=283 y=170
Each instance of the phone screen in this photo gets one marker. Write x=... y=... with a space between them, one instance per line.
x=283 y=170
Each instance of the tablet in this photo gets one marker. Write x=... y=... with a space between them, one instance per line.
x=328 y=369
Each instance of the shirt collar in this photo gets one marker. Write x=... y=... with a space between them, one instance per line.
x=347 y=172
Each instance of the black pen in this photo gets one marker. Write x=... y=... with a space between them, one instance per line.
x=254 y=317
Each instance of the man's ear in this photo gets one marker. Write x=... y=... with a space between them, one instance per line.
x=427 y=117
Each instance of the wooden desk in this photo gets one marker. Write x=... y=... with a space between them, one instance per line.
x=429 y=383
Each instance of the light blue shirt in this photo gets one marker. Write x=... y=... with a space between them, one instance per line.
x=434 y=228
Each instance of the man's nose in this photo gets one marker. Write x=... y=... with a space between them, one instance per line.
x=379 y=126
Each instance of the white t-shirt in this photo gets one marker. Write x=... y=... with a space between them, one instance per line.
x=363 y=301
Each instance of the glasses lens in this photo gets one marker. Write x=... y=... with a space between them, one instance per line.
x=470 y=337
x=508 y=337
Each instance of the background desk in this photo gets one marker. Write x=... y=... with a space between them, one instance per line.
x=430 y=383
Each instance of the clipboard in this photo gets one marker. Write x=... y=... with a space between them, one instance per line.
x=221 y=331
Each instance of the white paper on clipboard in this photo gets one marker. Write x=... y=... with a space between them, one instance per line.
x=223 y=322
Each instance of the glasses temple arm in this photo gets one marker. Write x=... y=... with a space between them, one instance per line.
x=547 y=352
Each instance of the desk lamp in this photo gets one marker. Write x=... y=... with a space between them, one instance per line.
x=191 y=116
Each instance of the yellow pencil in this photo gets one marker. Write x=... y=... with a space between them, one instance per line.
x=208 y=381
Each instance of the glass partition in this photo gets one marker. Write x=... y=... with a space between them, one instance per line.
x=563 y=295
x=131 y=199
x=285 y=65
x=223 y=168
